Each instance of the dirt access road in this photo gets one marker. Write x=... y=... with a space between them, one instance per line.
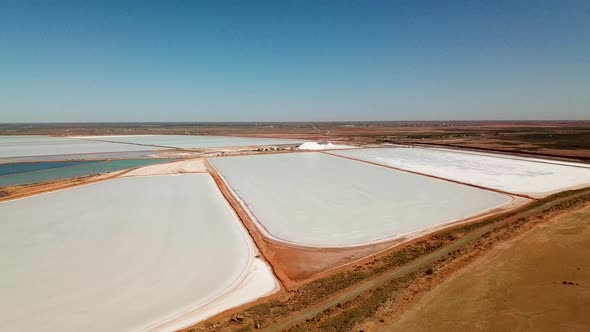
x=539 y=281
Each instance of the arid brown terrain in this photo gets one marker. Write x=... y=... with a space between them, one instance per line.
x=539 y=281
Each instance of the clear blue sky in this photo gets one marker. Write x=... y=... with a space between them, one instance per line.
x=293 y=60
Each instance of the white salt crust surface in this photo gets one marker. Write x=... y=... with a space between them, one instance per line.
x=28 y=146
x=191 y=141
x=125 y=255
x=320 y=200
x=533 y=176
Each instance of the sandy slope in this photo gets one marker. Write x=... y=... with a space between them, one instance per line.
x=178 y=167
x=518 y=286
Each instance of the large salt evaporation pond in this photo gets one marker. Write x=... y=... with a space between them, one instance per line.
x=124 y=255
x=28 y=146
x=320 y=200
x=513 y=174
x=192 y=142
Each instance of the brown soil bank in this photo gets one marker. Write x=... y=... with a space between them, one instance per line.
x=539 y=281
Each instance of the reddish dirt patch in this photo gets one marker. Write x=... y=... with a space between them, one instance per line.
x=303 y=264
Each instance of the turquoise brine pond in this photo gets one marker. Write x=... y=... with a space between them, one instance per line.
x=51 y=171
x=17 y=168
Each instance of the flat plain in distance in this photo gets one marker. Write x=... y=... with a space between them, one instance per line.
x=119 y=255
x=512 y=174
x=319 y=200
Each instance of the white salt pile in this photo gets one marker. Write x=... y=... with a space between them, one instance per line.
x=317 y=146
x=314 y=146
